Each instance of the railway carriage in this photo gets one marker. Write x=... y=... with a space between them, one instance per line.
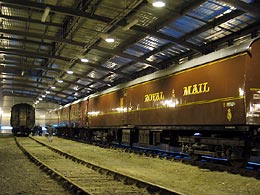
x=209 y=106
x=22 y=119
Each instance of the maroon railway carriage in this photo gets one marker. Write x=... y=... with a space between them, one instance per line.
x=210 y=105
x=22 y=119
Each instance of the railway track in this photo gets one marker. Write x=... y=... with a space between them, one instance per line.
x=81 y=177
x=251 y=170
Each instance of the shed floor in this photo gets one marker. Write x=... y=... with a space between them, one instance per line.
x=179 y=177
x=20 y=176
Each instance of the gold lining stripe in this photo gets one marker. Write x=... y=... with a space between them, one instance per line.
x=225 y=99
x=211 y=63
x=213 y=100
x=254 y=89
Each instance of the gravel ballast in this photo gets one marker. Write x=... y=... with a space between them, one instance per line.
x=20 y=176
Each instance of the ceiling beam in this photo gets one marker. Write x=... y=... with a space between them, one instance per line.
x=11 y=73
x=83 y=14
x=27 y=41
x=22 y=80
x=102 y=68
x=214 y=23
x=80 y=44
x=42 y=36
x=26 y=66
x=33 y=54
x=166 y=21
x=246 y=7
x=30 y=93
x=47 y=84
x=249 y=30
x=33 y=97
x=125 y=55
x=169 y=38
x=91 y=78
x=214 y=44
x=47 y=56
x=196 y=32
x=5 y=71
x=40 y=90
x=57 y=9
x=30 y=20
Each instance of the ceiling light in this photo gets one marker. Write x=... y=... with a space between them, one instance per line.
x=76 y=88
x=53 y=87
x=158 y=3
x=107 y=38
x=131 y=24
x=84 y=60
x=45 y=14
x=59 y=80
x=48 y=92
x=69 y=71
x=110 y=40
x=40 y=99
x=43 y=96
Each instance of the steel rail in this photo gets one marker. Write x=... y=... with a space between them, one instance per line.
x=66 y=183
x=76 y=189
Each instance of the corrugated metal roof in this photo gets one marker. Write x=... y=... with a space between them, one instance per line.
x=36 y=54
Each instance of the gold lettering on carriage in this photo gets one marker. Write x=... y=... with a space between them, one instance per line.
x=153 y=97
x=196 y=89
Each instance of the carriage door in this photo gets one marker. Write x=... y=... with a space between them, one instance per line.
x=155 y=137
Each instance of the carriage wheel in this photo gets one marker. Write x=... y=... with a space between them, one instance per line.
x=238 y=163
x=195 y=157
x=237 y=156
